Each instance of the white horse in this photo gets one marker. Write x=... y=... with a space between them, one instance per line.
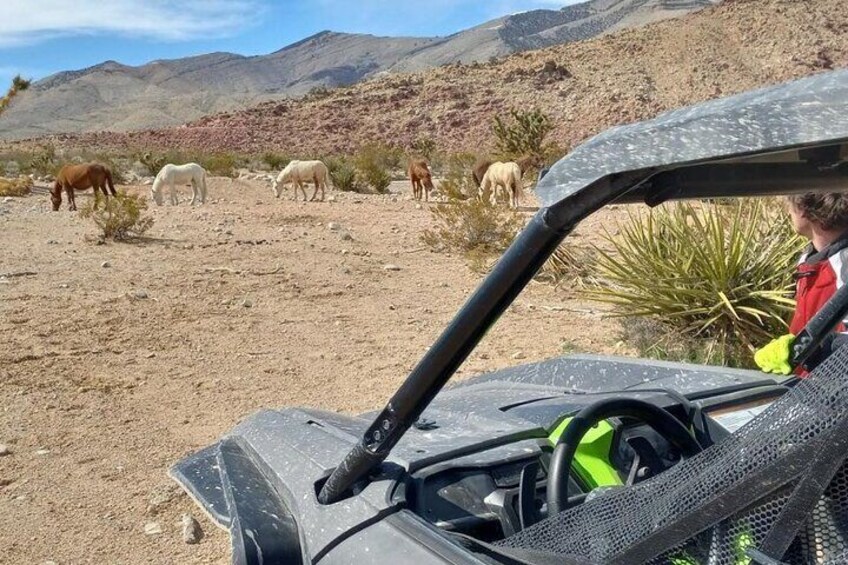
x=298 y=172
x=501 y=175
x=180 y=174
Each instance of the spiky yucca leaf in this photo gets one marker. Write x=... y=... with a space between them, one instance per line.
x=722 y=273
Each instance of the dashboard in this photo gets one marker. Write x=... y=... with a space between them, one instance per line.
x=490 y=501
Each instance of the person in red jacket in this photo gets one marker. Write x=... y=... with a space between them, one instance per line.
x=823 y=268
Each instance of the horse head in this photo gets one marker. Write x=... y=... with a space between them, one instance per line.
x=156 y=190
x=56 y=195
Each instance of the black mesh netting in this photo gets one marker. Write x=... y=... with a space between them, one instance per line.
x=745 y=480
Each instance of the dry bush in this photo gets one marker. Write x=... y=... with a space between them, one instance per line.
x=473 y=227
x=20 y=186
x=120 y=218
x=373 y=163
x=457 y=183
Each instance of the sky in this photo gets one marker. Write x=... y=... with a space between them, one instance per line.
x=41 y=37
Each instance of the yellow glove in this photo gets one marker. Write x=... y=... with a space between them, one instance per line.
x=774 y=357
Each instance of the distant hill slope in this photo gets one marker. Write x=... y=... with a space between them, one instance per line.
x=116 y=97
x=584 y=87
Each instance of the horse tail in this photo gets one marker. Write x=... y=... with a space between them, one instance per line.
x=109 y=182
x=203 y=185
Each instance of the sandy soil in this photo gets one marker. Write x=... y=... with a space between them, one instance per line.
x=117 y=360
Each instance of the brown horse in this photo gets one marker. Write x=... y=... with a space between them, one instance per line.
x=81 y=177
x=422 y=180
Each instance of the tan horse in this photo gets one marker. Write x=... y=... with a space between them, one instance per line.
x=482 y=165
x=422 y=180
x=81 y=177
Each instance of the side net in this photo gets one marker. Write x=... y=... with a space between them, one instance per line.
x=778 y=485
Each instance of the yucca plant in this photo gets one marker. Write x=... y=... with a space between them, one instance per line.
x=712 y=274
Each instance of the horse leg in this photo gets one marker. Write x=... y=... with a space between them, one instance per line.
x=193 y=192
x=203 y=189
x=314 y=192
x=174 y=200
x=72 y=203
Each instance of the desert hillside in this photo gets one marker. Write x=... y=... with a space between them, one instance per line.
x=585 y=87
x=116 y=97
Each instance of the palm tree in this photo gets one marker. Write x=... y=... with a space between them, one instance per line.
x=18 y=85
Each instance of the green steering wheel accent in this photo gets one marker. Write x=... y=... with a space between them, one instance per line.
x=592 y=458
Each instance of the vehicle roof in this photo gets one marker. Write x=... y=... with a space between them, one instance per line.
x=777 y=124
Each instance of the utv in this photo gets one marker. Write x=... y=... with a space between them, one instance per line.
x=581 y=459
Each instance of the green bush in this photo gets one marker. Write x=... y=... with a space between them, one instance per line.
x=457 y=183
x=343 y=175
x=714 y=279
x=524 y=135
x=121 y=216
x=372 y=163
x=220 y=164
x=474 y=227
x=275 y=161
x=43 y=162
x=425 y=147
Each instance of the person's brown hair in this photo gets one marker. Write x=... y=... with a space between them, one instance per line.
x=827 y=209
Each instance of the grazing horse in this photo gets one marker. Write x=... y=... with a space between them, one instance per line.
x=481 y=165
x=505 y=175
x=298 y=172
x=422 y=180
x=81 y=177
x=171 y=175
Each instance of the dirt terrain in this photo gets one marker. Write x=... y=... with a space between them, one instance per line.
x=117 y=360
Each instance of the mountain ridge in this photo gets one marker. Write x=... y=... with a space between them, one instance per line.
x=170 y=92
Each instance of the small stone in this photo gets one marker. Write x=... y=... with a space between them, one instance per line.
x=4 y=450
x=105 y=264
x=345 y=251
x=192 y=533
x=247 y=303
x=152 y=529
x=333 y=226
x=52 y=242
x=518 y=355
x=7 y=199
x=141 y=294
x=390 y=267
x=346 y=237
x=331 y=199
x=150 y=355
x=64 y=285
x=43 y=452
x=419 y=207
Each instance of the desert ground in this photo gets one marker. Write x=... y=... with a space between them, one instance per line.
x=119 y=359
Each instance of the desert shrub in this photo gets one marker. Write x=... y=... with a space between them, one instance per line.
x=457 y=183
x=275 y=161
x=120 y=217
x=20 y=186
x=710 y=279
x=152 y=162
x=43 y=161
x=343 y=175
x=524 y=134
x=220 y=164
x=425 y=147
x=567 y=264
x=18 y=85
x=372 y=165
x=473 y=227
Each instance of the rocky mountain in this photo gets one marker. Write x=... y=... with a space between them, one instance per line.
x=585 y=87
x=116 y=97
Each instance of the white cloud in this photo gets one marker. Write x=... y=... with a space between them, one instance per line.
x=25 y=22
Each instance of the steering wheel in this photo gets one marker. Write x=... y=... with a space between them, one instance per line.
x=669 y=427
